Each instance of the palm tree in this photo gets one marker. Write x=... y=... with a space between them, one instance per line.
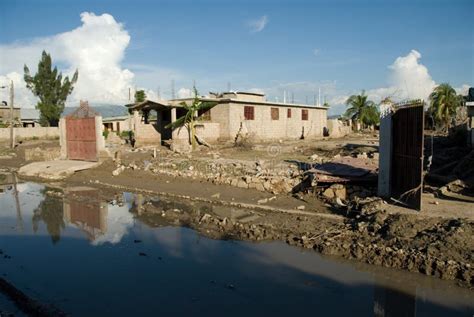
x=443 y=103
x=189 y=119
x=361 y=109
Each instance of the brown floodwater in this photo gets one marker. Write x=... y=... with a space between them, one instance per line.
x=93 y=258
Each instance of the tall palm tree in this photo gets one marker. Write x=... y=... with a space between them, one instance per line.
x=443 y=103
x=361 y=109
x=189 y=119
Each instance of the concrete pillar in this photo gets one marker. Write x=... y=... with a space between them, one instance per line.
x=385 y=149
x=100 y=140
x=63 y=138
x=174 y=133
x=136 y=119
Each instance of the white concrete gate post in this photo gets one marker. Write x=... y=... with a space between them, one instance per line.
x=385 y=149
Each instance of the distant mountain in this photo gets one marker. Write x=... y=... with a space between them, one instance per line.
x=105 y=110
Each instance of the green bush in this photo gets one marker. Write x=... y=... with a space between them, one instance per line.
x=105 y=134
x=126 y=134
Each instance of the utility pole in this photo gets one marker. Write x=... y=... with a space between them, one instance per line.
x=12 y=138
x=172 y=89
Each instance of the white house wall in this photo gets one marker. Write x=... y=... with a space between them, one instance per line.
x=231 y=115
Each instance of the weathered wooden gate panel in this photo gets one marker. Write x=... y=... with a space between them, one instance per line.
x=81 y=134
x=406 y=182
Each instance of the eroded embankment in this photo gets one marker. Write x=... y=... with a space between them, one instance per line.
x=433 y=246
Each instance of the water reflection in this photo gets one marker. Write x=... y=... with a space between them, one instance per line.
x=269 y=277
x=390 y=302
x=91 y=218
x=49 y=212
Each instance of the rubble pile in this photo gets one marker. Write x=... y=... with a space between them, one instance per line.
x=259 y=175
x=345 y=192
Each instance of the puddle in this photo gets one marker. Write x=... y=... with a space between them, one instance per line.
x=94 y=258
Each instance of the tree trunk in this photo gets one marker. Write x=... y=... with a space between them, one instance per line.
x=193 y=132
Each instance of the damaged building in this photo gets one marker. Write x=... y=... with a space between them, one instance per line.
x=235 y=113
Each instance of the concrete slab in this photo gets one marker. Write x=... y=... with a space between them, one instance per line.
x=55 y=170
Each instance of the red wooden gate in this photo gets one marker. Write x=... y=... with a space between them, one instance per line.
x=81 y=134
x=406 y=183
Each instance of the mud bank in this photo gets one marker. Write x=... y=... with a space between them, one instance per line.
x=433 y=246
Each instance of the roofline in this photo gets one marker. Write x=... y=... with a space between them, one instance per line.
x=115 y=118
x=279 y=104
x=145 y=102
x=243 y=93
x=263 y=103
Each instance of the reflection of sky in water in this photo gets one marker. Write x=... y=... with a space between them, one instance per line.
x=29 y=196
x=17 y=215
x=119 y=221
x=183 y=272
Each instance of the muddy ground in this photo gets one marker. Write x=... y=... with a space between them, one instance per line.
x=436 y=242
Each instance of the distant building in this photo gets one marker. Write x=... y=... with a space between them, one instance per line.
x=30 y=117
x=5 y=113
x=236 y=113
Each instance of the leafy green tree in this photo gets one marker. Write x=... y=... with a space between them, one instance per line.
x=361 y=109
x=51 y=88
x=50 y=211
x=140 y=96
x=189 y=119
x=443 y=104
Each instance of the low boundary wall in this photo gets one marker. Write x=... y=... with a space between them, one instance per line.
x=28 y=133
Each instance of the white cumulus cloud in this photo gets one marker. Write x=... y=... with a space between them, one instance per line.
x=96 y=49
x=408 y=78
x=258 y=25
x=184 y=93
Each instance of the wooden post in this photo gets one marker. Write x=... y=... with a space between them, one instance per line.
x=12 y=138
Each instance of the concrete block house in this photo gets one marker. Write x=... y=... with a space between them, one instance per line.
x=242 y=113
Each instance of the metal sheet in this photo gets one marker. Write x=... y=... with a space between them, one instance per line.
x=81 y=139
x=407 y=155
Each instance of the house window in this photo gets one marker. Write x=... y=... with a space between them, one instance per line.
x=204 y=115
x=304 y=114
x=249 y=113
x=275 y=113
x=288 y=113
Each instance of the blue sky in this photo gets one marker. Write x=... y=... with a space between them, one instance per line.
x=341 y=46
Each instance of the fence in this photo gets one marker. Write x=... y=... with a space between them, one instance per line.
x=29 y=133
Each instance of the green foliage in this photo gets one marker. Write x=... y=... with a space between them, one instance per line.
x=140 y=96
x=189 y=119
x=49 y=211
x=361 y=109
x=126 y=134
x=443 y=104
x=51 y=89
x=106 y=133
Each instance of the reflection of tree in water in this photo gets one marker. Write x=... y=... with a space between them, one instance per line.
x=50 y=211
